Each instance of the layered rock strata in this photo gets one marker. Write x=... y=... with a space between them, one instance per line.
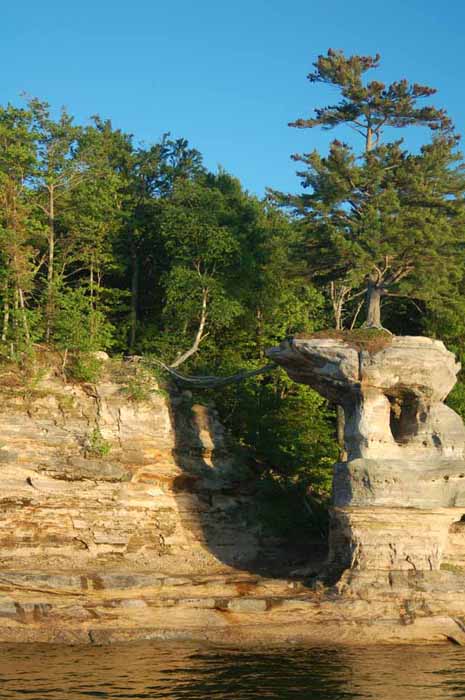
x=399 y=497
x=125 y=515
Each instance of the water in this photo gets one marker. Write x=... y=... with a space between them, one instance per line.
x=184 y=671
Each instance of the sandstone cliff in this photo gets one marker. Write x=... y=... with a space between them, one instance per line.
x=126 y=515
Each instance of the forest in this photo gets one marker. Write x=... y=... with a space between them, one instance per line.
x=107 y=244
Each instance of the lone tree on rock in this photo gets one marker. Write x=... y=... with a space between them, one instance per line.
x=382 y=221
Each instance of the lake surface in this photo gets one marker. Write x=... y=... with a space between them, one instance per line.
x=168 y=670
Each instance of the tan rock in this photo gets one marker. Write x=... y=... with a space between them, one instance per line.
x=124 y=520
x=399 y=498
x=392 y=398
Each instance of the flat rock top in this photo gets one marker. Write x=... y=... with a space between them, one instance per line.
x=407 y=342
x=422 y=365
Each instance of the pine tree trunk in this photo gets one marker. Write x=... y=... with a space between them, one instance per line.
x=374 y=294
x=369 y=140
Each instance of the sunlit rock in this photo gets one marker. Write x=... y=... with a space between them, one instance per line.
x=403 y=483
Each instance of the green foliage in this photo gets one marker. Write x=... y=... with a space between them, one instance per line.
x=84 y=367
x=284 y=508
x=446 y=321
x=106 y=245
x=370 y=107
x=184 y=295
x=456 y=399
x=97 y=445
x=141 y=386
x=137 y=390
x=289 y=428
x=78 y=325
x=397 y=213
x=385 y=219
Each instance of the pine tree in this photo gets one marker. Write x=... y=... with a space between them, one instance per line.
x=385 y=219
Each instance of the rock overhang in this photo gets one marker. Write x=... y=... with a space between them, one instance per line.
x=422 y=366
x=402 y=486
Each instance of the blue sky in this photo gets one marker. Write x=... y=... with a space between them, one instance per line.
x=226 y=75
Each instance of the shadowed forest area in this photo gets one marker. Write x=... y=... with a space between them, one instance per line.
x=107 y=244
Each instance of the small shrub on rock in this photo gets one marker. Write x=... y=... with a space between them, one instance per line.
x=84 y=368
x=97 y=445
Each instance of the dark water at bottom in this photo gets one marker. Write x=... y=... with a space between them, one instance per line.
x=184 y=671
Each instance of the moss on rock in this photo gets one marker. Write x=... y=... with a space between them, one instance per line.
x=370 y=340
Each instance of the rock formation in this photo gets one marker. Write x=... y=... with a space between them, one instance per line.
x=125 y=515
x=399 y=498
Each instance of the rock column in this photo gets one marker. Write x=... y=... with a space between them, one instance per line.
x=399 y=498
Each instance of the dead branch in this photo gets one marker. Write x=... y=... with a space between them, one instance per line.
x=199 y=336
x=359 y=308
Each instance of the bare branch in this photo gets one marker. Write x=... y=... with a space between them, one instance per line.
x=357 y=294
x=44 y=209
x=400 y=274
x=200 y=335
x=359 y=308
x=406 y=296
x=359 y=131
x=37 y=267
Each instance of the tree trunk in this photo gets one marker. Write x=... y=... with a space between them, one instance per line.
x=338 y=295
x=369 y=140
x=374 y=294
x=15 y=341
x=259 y=332
x=91 y=283
x=212 y=382
x=6 y=312
x=337 y=309
x=200 y=335
x=22 y=306
x=92 y=315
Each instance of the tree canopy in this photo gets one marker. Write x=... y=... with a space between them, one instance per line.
x=109 y=244
x=381 y=219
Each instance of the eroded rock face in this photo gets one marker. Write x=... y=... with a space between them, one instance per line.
x=122 y=518
x=90 y=478
x=402 y=486
x=125 y=519
x=392 y=399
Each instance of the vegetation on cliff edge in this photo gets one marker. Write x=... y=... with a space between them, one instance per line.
x=107 y=244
